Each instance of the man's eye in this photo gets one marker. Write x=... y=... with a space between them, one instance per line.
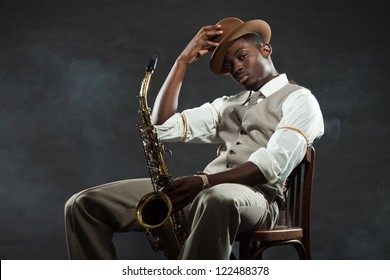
x=241 y=57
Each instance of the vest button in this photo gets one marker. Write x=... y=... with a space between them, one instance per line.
x=242 y=132
x=238 y=143
x=232 y=152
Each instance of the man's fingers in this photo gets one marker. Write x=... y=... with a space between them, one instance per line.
x=209 y=31
x=211 y=27
x=209 y=34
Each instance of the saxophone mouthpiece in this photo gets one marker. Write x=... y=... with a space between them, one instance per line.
x=152 y=64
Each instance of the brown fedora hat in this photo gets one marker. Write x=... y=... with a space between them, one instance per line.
x=234 y=28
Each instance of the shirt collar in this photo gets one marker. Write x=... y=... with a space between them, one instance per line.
x=274 y=85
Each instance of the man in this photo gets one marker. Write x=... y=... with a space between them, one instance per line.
x=265 y=131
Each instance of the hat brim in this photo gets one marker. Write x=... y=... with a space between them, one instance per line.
x=253 y=26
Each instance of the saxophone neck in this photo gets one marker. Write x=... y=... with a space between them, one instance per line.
x=148 y=75
x=143 y=100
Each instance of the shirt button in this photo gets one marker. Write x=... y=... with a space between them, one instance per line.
x=242 y=132
x=232 y=152
x=238 y=143
x=228 y=165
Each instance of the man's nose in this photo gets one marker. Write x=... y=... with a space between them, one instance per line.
x=237 y=67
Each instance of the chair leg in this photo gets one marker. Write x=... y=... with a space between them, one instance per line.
x=300 y=249
x=244 y=250
x=264 y=246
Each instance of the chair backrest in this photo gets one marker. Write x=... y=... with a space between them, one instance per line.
x=297 y=211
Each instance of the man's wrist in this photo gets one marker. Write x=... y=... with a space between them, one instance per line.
x=205 y=181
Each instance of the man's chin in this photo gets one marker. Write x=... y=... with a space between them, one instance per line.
x=249 y=87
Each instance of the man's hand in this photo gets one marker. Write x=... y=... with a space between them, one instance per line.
x=200 y=44
x=183 y=190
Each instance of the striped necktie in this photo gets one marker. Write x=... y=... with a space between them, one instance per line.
x=251 y=101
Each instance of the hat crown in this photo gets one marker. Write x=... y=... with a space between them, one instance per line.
x=227 y=26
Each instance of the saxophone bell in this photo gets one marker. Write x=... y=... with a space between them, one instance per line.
x=153 y=209
x=154 y=213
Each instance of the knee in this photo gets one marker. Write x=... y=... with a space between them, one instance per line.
x=79 y=201
x=69 y=204
x=218 y=197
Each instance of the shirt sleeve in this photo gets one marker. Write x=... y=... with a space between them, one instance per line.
x=301 y=124
x=197 y=125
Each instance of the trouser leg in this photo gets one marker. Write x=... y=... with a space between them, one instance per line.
x=93 y=215
x=219 y=213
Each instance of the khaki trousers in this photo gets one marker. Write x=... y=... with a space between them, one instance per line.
x=215 y=217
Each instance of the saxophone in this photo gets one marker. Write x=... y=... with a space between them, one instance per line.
x=165 y=229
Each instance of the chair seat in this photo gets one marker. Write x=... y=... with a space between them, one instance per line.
x=277 y=234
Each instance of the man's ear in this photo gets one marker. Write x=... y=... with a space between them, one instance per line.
x=266 y=50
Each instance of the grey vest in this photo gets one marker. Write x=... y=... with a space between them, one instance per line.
x=242 y=139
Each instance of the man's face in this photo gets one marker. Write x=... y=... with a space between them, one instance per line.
x=247 y=64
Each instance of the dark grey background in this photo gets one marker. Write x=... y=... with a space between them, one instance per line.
x=70 y=72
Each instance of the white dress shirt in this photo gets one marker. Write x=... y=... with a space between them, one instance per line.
x=300 y=125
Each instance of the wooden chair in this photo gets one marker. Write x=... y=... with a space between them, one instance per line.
x=294 y=222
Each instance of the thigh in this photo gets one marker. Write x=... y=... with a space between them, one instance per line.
x=253 y=207
x=113 y=203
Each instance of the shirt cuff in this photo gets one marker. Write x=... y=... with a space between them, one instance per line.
x=264 y=160
x=172 y=129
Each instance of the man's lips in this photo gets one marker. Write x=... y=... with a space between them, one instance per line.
x=242 y=78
